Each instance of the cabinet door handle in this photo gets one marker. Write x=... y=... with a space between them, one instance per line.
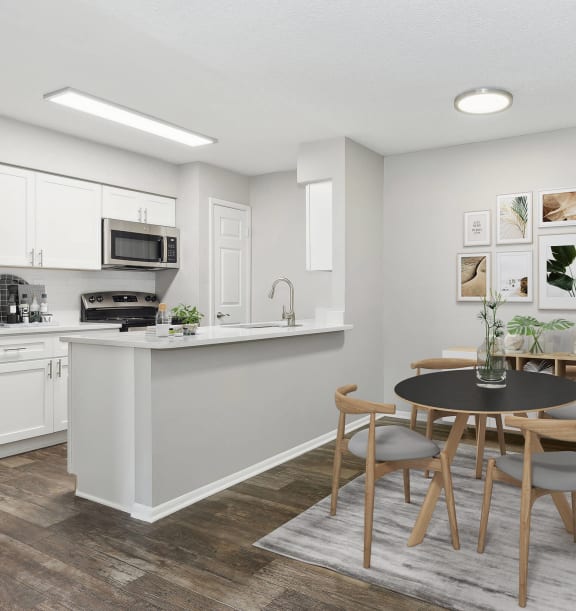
x=59 y=372
x=41 y=255
x=32 y=257
x=13 y=349
x=50 y=370
x=139 y=215
x=145 y=215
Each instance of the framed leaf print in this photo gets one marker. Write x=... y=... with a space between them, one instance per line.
x=514 y=218
x=557 y=273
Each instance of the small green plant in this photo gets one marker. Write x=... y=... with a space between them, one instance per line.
x=559 y=271
x=529 y=326
x=493 y=326
x=187 y=314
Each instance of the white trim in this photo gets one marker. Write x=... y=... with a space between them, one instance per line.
x=152 y=514
x=32 y=443
x=96 y=499
x=212 y=201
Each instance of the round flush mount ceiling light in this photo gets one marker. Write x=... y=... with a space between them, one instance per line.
x=483 y=101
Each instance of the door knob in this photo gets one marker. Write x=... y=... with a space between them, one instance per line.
x=221 y=315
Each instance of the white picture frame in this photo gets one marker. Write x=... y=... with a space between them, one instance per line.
x=514 y=218
x=551 y=297
x=557 y=208
x=513 y=276
x=477 y=228
x=473 y=276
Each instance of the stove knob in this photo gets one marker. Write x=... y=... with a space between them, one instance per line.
x=99 y=299
x=154 y=298
x=148 y=298
x=91 y=299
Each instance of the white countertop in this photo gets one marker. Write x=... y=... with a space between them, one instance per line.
x=205 y=336
x=40 y=327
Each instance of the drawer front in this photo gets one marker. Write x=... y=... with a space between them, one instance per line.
x=24 y=348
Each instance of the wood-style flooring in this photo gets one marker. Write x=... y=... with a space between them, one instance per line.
x=61 y=552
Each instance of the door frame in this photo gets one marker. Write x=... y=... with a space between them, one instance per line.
x=214 y=201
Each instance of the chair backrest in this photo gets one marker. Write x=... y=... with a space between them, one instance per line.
x=564 y=430
x=349 y=405
x=441 y=363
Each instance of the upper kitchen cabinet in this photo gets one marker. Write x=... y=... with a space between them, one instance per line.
x=17 y=210
x=49 y=221
x=68 y=225
x=138 y=207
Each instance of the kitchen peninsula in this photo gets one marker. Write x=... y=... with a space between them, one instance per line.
x=158 y=424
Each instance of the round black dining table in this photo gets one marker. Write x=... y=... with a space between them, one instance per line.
x=456 y=392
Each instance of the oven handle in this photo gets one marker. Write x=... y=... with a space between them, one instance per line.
x=164 y=249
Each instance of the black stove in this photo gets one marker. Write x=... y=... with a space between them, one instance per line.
x=132 y=309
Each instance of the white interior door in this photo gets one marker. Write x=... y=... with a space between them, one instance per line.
x=231 y=248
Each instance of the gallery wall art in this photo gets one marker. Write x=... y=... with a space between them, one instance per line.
x=557 y=208
x=557 y=272
x=513 y=276
x=477 y=228
x=514 y=218
x=473 y=276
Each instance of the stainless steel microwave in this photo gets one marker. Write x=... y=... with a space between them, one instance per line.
x=128 y=245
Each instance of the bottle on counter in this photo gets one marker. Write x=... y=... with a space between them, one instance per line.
x=12 y=317
x=24 y=309
x=34 y=310
x=44 y=304
x=162 y=321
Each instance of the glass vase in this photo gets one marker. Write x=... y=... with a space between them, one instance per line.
x=491 y=364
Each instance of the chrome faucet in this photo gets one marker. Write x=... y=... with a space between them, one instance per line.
x=288 y=316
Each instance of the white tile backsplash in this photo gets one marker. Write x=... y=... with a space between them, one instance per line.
x=64 y=287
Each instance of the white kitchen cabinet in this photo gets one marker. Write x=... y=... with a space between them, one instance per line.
x=68 y=223
x=49 y=221
x=138 y=207
x=26 y=409
x=17 y=213
x=60 y=393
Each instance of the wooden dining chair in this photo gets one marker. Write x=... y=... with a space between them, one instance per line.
x=439 y=364
x=386 y=448
x=538 y=473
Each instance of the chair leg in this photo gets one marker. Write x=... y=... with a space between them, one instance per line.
x=337 y=464
x=413 y=417
x=525 y=510
x=574 y=516
x=368 y=516
x=429 y=430
x=500 y=430
x=480 y=441
x=488 y=484
x=450 y=504
x=406 y=485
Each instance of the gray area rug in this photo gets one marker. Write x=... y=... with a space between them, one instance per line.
x=434 y=571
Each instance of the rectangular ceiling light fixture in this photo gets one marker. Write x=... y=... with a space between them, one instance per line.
x=119 y=114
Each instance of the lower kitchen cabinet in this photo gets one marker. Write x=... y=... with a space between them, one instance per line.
x=34 y=398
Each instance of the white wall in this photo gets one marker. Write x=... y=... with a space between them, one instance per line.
x=49 y=151
x=279 y=248
x=425 y=196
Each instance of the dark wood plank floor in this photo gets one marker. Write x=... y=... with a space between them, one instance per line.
x=61 y=552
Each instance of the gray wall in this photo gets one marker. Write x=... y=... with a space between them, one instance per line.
x=279 y=248
x=425 y=196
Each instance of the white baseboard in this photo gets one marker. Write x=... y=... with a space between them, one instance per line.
x=147 y=513
x=33 y=443
x=95 y=499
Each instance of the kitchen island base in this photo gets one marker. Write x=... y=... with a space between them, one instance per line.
x=155 y=430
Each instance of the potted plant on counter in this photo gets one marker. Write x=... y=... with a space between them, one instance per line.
x=188 y=316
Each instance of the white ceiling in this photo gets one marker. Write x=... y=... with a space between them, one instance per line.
x=263 y=76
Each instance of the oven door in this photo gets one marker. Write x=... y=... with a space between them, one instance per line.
x=130 y=245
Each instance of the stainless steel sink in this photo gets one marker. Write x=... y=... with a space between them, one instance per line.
x=261 y=325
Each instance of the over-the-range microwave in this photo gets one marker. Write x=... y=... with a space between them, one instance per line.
x=128 y=245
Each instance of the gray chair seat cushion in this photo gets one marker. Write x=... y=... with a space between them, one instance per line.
x=568 y=412
x=394 y=443
x=550 y=470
